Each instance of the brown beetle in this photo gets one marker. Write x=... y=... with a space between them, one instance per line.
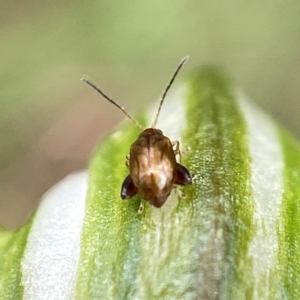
x=152 y=161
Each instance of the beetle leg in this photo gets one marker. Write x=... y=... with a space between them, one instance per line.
x=142 y=207
x=182 y=175
x=186 y=150
x=181 y=194
x=128 y=189
x=127 y=159
x=176 y=149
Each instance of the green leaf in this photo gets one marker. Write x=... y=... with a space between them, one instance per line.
x=288 y=264
x=12 y=248
x=232 y=234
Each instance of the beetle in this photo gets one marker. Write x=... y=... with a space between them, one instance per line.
x=152 y=164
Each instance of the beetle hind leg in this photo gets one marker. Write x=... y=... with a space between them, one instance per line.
x=182 y=175
x=127 y=161
x=128 y=188
x=179 y=192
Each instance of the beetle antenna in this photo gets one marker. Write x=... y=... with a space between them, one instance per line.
x=115 y=103
x=167 y=89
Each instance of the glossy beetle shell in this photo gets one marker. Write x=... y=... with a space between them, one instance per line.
x=153 y=168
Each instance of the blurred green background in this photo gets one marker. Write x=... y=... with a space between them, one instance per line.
x=50 y=121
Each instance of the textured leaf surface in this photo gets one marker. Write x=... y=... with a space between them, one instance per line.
x=233 y=234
